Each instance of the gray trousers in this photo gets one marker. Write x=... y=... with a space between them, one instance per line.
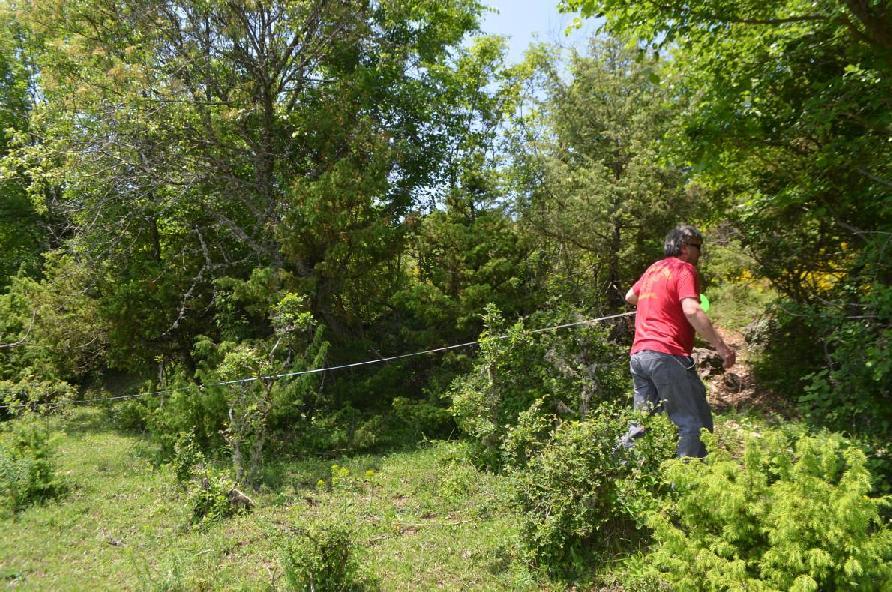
x=671 y=383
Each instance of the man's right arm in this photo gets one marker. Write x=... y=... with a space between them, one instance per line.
x=632 y=297
x=701 y=323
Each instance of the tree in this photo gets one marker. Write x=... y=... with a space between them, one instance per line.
x=790 y=127
x=468 y=251
x=790 y=123
x=592 y=181
x=191 y=141
x=22 y=231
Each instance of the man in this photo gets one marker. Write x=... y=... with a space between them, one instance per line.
x=668 y=300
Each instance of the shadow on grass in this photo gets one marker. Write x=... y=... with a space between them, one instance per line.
x=81 y=420
x=302 y=468
x=305 y=475
x=501 y=560
x=290 y=466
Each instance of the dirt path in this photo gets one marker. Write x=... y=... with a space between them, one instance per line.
x=737 y=388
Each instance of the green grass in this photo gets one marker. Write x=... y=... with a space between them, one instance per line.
x=424 y=519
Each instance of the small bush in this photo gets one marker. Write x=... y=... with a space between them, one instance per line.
x=187 y=408
x=565 y=373
x=792 y=514
x=59 y=322
x=131 y=415
x=584 y=495
x=373 y=432
x=423 y=419
x=188 y=459
x=29 y=395
x=211 y=494
x=210 y=497
x=321 y=558
x=532 y=432
x=845 y=383
x=27 y=471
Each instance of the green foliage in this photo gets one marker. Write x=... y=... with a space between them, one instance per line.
x=131 y=415
x=28 y=393
x=210 y=492
x=252 y=393
x=244 y=412
x=423 y=419
x=284 y=141
x=563 y=373
x=738 y=297
x=23 y=231
x=266 y=329
x=57 y=323
x=845 y=383
x=596 y=192
x=186 y=408
x=529 y=435
x=27 y=468
x=852 y=392
x=208 y=495
x=468 y=256
x=321 y=557
x=188 y=459
x=249 y=407
x=778 y=340
x=792 y=512
x=583 y=495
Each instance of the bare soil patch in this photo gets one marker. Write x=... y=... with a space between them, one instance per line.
x=737 y=389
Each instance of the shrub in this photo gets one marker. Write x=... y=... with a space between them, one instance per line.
x=212 y=496
x=321 y=558
x=584 y=495
x=373 y=432
x=792 y=514
x=334 y=431
x=845 y=383
x=131 y=415
x=423 y=419
x=567 y=373
x=210 y=492
x=737 y=295
x=27 y=471
x=29 y=394
x=529 y=435
x=784 y=343
x=58 y=322
x=188 y=459
x=186 y=408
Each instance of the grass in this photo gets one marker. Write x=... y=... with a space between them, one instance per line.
x=424 y=519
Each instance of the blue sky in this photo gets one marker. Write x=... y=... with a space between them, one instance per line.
x=525 y=21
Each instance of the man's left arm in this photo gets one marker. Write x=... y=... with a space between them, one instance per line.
x=701 y=323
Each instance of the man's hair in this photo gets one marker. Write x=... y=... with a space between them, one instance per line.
x=678 y=236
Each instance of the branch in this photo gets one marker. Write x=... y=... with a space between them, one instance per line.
x=857 y=231
x=875 y=20
x=873 y=177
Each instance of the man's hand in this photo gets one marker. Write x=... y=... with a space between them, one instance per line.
x=729 y=356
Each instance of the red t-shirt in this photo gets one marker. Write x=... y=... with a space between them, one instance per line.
x=660 y=324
